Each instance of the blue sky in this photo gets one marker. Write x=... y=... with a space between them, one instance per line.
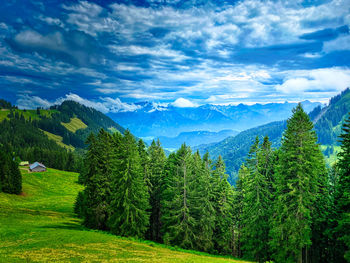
x=111 y=54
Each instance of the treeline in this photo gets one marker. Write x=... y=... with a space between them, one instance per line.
x=292 y=208
x=285 y=207
x=29 y=143
x=182 y=200
x=10 y=176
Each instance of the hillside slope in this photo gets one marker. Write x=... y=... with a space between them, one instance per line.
x=40 y=226
x=328 y=127
x=49 y=135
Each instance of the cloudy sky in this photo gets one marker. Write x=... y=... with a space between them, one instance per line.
x=111 y=54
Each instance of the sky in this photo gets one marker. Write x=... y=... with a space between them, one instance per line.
x=112 y=54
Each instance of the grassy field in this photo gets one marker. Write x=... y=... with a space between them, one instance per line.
x=58 y=139
x=39 y=226
x=74 y=125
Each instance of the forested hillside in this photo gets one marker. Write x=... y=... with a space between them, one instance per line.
x=55 y=136
x=328 y=122
x=283 y=208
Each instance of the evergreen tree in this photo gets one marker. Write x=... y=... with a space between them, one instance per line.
x=342 y=204
x=239 y=192
x=297 y=185
x=178 y=222
x=130 y=198
x=203 y=210
x=223 y=206
x=10 y=175
x=257 y=203
x=157 y=160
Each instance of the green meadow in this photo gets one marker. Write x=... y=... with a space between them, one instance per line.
x=40 y=226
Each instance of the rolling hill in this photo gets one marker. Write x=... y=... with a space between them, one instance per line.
x=45 y=135
x=39 y=226
x=328 y=122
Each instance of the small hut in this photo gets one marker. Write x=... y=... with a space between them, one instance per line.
x=24 y=163
x=37 y=167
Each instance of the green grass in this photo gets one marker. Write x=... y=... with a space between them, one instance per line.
x=39 y=226
x=74 y=125
x=59 y=140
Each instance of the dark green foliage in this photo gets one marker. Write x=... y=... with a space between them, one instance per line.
x=203 y=210
x=5 y=104
x=342 y=200
x=177 y=217
x=10 y=175
x=257 y=201
x=130 y=198
x=298 y=176
x=154 y=180
x=223 y=206
x=31 y=144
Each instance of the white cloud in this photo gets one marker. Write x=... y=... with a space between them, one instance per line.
x=105 y=105
x=334 y=79
x=116 y=105
x=183 y=103
x=32 y=102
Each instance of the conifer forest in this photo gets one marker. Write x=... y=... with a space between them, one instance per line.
x=286 y=205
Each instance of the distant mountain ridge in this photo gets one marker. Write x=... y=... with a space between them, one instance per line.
x=328 y=122
x=194 y=138
x=152 y=119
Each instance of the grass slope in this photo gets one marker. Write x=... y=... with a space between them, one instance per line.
x=39 y=226
x=74 y=125
x=58 y=139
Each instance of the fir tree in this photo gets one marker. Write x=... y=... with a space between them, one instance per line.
x=157 y=160
x=223 y=206
x=203 y=210
x=257 y=203
x=342 y=204
x=178 y=221
x=130 y=198
x=300 y=164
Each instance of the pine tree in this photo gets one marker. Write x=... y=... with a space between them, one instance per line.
x=157 y=160
x=130 y=198
x=300 y=164
x=203 y=210
x=178 y=221
x=343 y=191
x=256 y=203
x=223 y=206
x=98 y=181
x=238 y=204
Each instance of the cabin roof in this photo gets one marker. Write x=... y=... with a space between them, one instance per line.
x=36 y=164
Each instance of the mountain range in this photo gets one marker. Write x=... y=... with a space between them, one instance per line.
x=154 y=120
x=328 y=121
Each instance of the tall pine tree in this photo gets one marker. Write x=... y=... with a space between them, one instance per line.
x=130 y=198
x=157 y=160
x=300 y=164
x=257 y=203
x=343 y=192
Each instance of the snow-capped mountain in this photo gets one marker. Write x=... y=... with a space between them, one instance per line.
x=149 y=119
